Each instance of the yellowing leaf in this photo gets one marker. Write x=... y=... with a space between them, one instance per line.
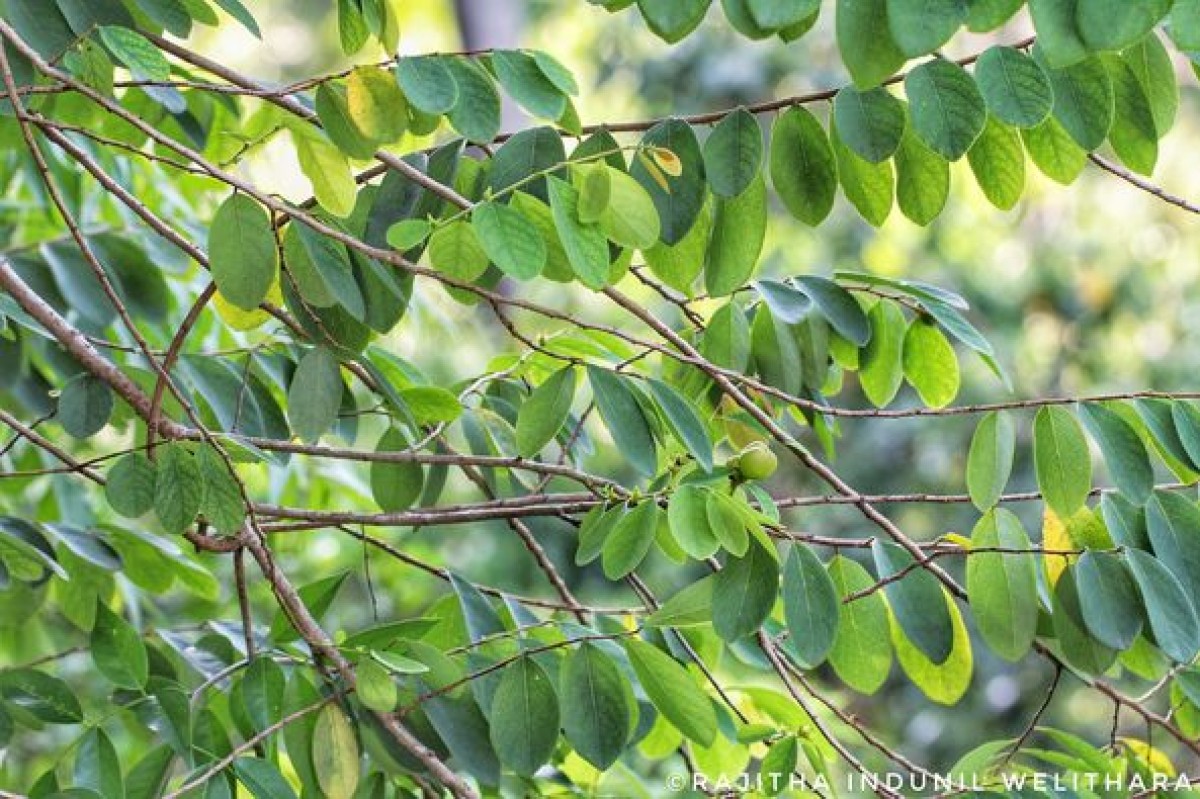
x=667 y=161
x=242 y=320
x=946 y=682
x=335 y=753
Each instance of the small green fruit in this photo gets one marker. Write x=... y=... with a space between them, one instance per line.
x=757 y=462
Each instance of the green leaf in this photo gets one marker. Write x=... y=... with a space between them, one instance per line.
x=398 y=664
x=1173 y=523
x=1125 y=521
x=1172 y=615
x=727 y=521
x=990 y=460
x=1054 y=151
x=262 y=779
x=678 y=198
x=998 y=161
x=690 y=607
x=629 y=542
x=922 y=180
x=947 y=110
x=327 y=169
x=44 y=697
x=395 y=485
x=427 y=83
x=526 y=83
x=85 y=406
x=1134 y=135
x=145 y=62
x=238 y=11
x=871 y=123
x=148 y=777
x=1112 y=24
x=1112 y=610
x=630 y=218
x=838 y=306
x=802 y=165
x=778 y=764
x=558 y=74
x=678 y=265
x=1061 y=460
x=744 y=592
x=455 y=250
x=882 y=368
x=1002 y=588
x=945 y=682
x=335 y=753
x=376 y=105
x=733 y=154
x=862 y=649
x=1123 y=450
x=673 y=692
x=915 y=600
x=117 y=650
x=810 y=606
x=1016 y=90
x=1058 y=36
x=262 y=692
x=622 y=415
x=242 y=252
x=870 y=188
x=596 y=709
x=1186 y=420
x=315 y=394
x=97 y=766
x=687 y=515
x=594 y=183
x=408 y=233
x=1155 y=71
x=510 y=240
x=178 y=488
x=376 y=689
x=223 y=506
x=922 y=26
x=684 y=421
x=594 y=531
x=476 y=111
x=585 y=245
x=776 y=14
x=1079 y=648
x=317 y=596
x=524 y=717
x=865 y=43
x=672 y=20
x=130 y=487
x=930 y=364
x=544 y=413
x=1083 y=101
x=739 y=230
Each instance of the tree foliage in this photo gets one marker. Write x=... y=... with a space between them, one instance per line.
x=199 y=372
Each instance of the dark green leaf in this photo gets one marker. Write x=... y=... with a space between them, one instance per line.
x=622 y=415
x=1114 y=24
x=85 y=406
x=428 y=83
x=46 y=698
x=524 y=717
x=629 y=542
x=733 y=154
x=916 y=601
x=262 y=779
x=1174 y=526
x=1172 y=615
x=1123 y=451
x=672 y=20
x=744 y=592
x=545 y=412
x=525 y=82
x=871 y=123
x=739 y=230
x=673 y=692
x=1083 y=101
x=947 y=110
x=178 y=488
x=242 y=252
x=802 y=164
x=596 y=709
x=395 y=485
x=810 y=606
x=922 y=26
x=679 y=199
x=1015 y=88
x=476 y=111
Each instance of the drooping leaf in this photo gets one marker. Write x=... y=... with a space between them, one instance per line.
x=1002 y=586
x=733 y=154
x=630 y=540
x=882 y=362
x=869 y=187
x=242 y=252
x=545 y=412
x=802 y=165
x=689 y=607
x=315 y=394
x=511 y=241
x=916 y=601
x=130 y=486
x=1014 y=87
x=673 y=691
x=810 y=606
x=679 y=197
x=476 y=111
x=1124 y=452
x=945 y=682
x=85 y=406
x=672 y=20
x=744 y=592
x=1173 y=523
x=117 y=650
x=1054 y=151
x=998 y=162
x=871 y=123
x=687 y=515
x=948 y=112
x=622 y=415
x=865 y=41
x=922 y=26
x=427 y=83
x=1083 y=101
x=596 y=710
x=526 y=83
x=739 y=229
x=1172 y=615
x=395 y=485
x=178 y=488
x=45 y=697
x=922 y=180
x=262 y=779
x=335 y=753
x=862 y=649
x=1108 y=599
x=1062 y=461
x=525 y=717
x=1112 y=25
x=990 y=460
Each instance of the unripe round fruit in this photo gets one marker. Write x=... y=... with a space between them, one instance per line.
x=757 y=462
